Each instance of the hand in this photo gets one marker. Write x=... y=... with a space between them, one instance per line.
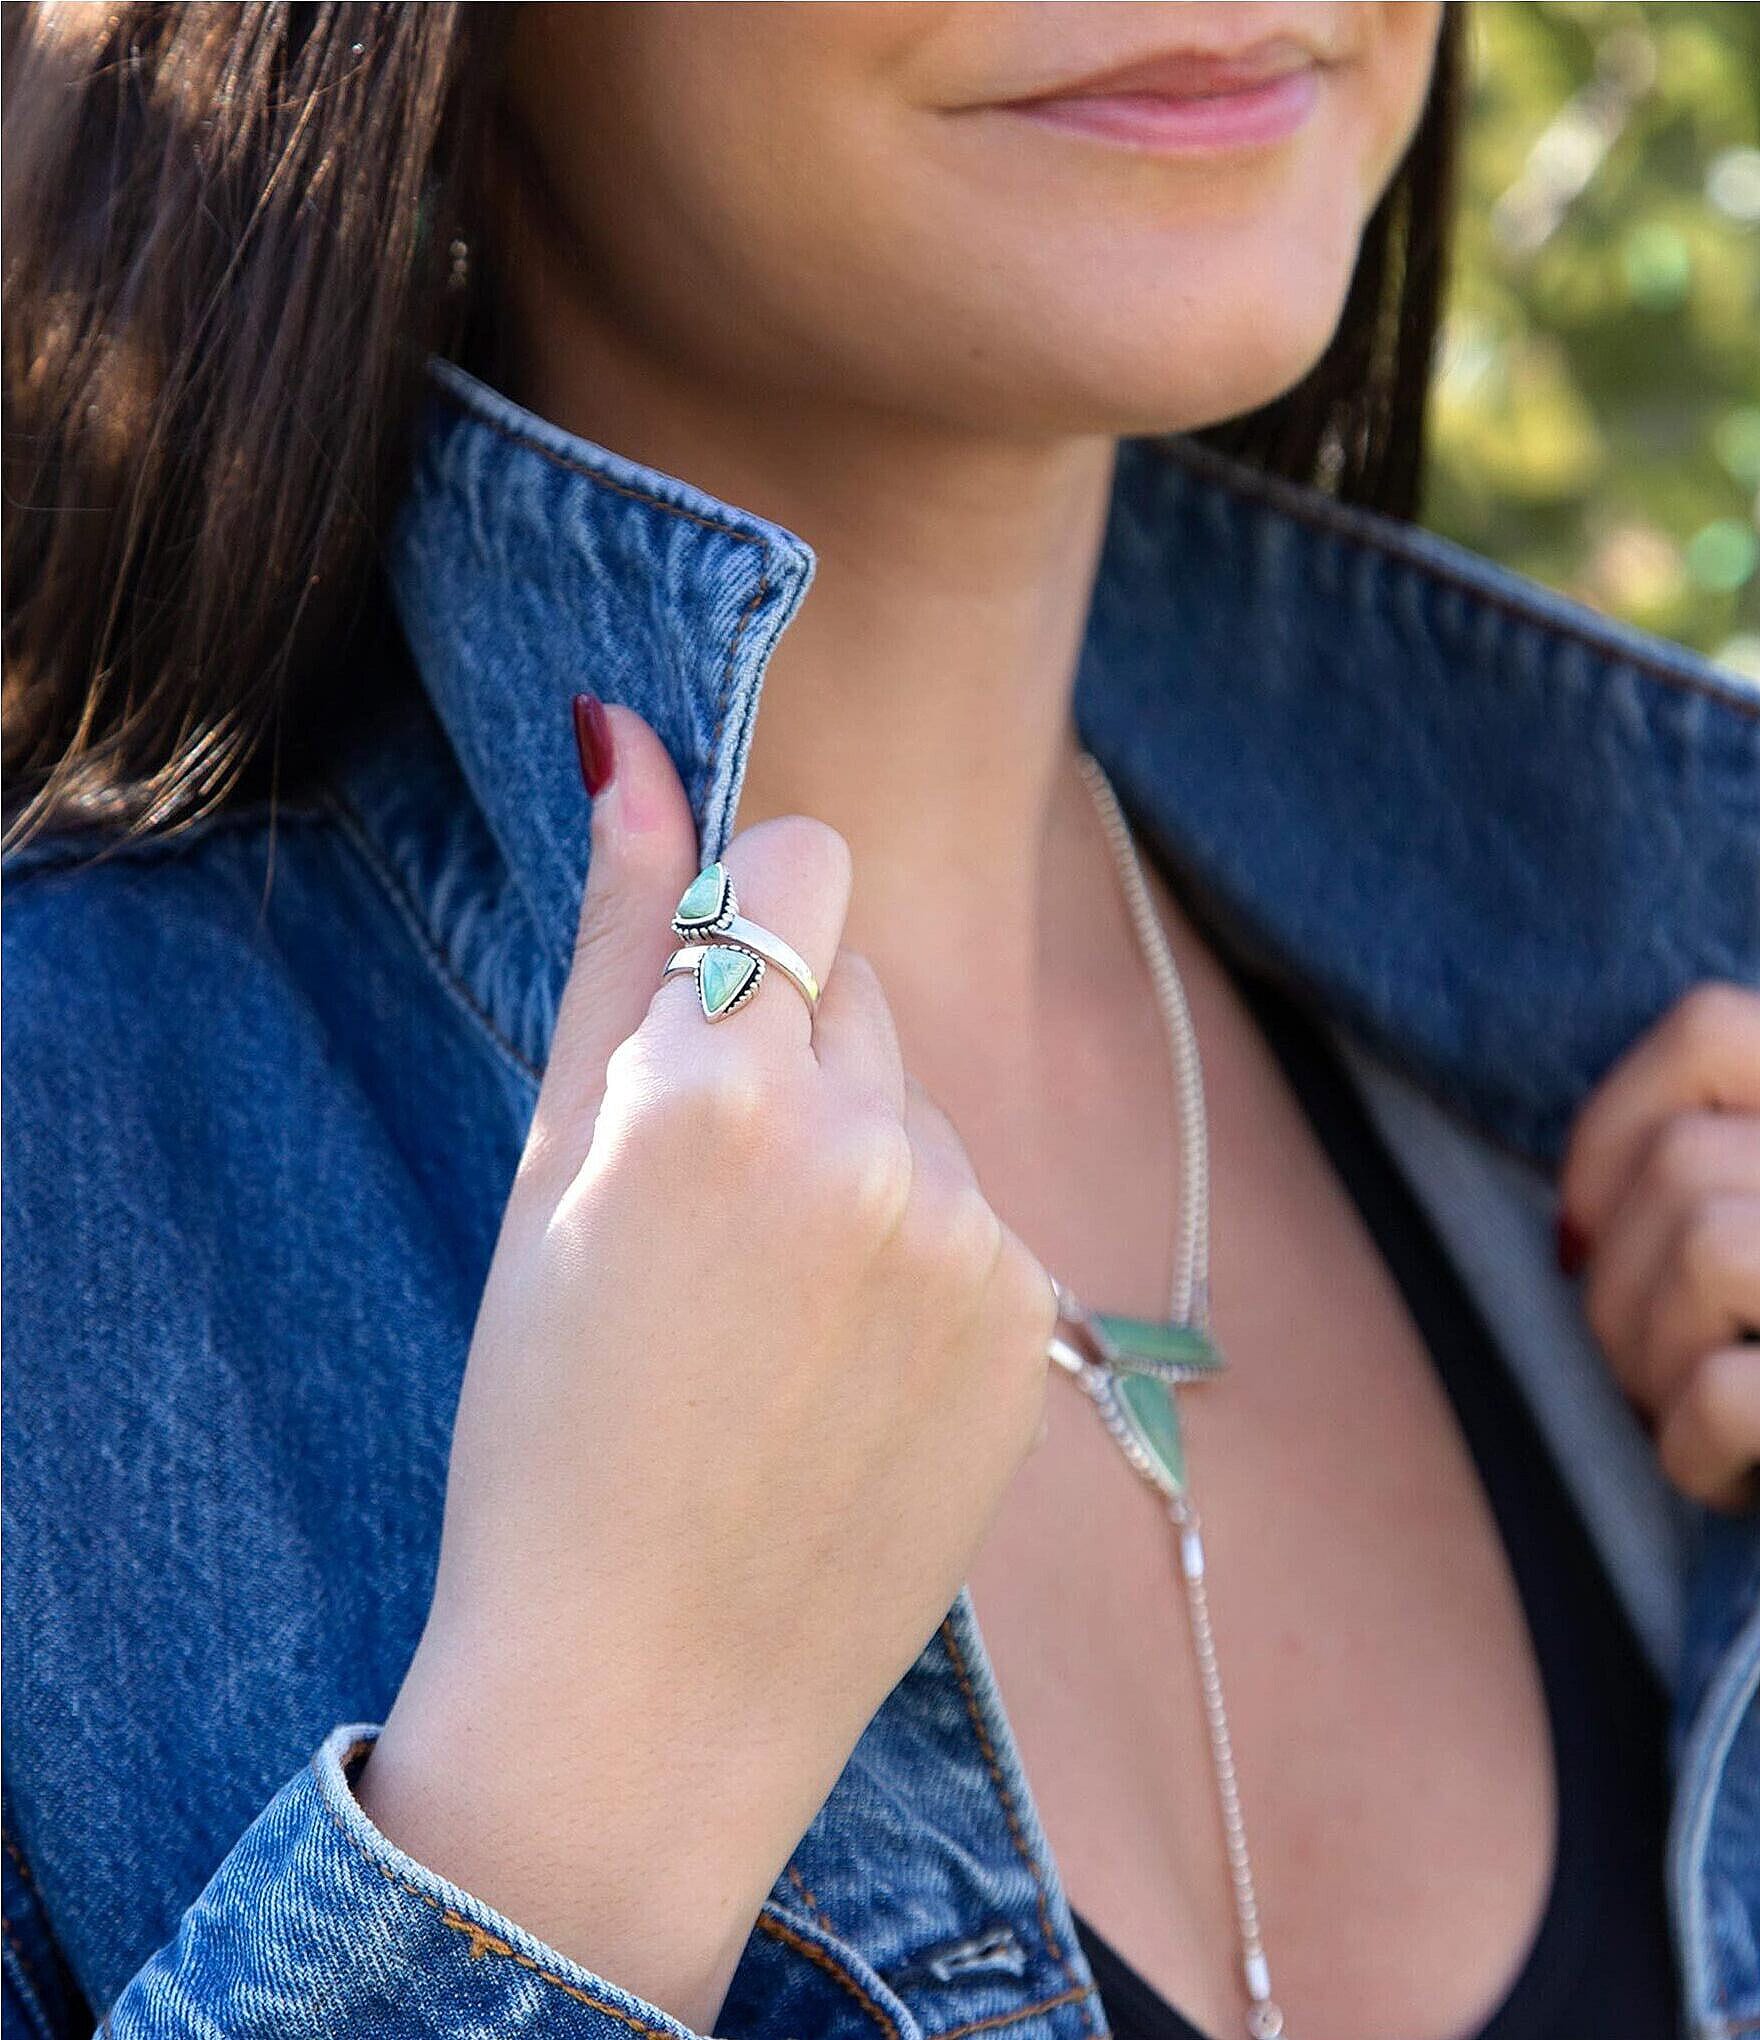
x=754 y=1365
x=1659 y=1203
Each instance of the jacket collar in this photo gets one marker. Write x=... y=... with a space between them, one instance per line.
x=1489 y=833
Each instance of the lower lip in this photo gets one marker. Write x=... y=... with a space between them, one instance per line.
x=1251 y=118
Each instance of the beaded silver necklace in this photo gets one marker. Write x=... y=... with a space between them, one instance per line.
x=1132 y=1368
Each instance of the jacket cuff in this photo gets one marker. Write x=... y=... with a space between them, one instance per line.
x=317 y=1924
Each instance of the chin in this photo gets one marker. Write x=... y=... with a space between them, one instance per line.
x=1181 y=355
x=1204 y=373
x=1137 y=318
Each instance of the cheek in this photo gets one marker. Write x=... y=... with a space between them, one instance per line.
x=1198 y=315
x=715 y=166
x=1392 y=87
x=1260 y=285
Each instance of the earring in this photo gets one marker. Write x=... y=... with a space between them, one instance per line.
x=458 y=274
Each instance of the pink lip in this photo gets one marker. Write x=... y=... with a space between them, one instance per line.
x=1188 y=104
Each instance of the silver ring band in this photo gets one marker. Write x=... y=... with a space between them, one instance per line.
x=707 y=918
x=744 y=934
x=758 y=943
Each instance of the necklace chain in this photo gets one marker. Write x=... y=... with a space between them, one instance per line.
x=1189 y=1304
x=1190 y=1301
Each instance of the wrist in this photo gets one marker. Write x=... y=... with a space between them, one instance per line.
x=608 y=1831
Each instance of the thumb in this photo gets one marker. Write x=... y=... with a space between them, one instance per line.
x=641 y=855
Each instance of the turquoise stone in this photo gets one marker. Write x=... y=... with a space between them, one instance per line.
x=1153 y=1415
x=721 y=976
x=704 y=898
x=1158 y=1344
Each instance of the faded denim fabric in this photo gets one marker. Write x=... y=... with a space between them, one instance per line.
x=266 y=1087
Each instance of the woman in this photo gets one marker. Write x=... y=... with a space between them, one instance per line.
x=339 y=1108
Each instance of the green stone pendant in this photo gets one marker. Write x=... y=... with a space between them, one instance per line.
x=1147 y=1359
x=1148 y=1407
x=704 y=904
x=725 y=979
x=1156 y=1346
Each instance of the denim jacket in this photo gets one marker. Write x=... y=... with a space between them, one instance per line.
x=266 y=1085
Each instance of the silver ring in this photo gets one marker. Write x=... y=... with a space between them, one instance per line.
x=707 y=917
x=729 y=973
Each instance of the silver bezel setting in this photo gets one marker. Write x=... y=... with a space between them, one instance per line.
x=749 y=990
x=706 y=931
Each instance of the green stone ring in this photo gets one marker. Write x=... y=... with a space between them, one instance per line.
x=725 y=952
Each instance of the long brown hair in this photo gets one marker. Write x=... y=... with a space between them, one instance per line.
x=232 y=235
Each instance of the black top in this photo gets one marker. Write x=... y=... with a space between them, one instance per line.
x=1601 y=1961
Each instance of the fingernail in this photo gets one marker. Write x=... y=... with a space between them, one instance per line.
x=1572 y=1245
x=593 y=739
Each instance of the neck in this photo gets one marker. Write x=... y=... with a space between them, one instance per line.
x=921 y=701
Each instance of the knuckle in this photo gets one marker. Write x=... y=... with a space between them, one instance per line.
x=714 y=1108
x=1711 y=1242
x=1685 y=1151
x=1039 y=1308
x=1707 y=1018
x=1702 y=1390
x=1034 y=1411
x=970 y=1236
x=1714 y=1421
x=1028 y=1383
x=630 y=1067
x=872 y=1165
x=947 y=1242
x=1024 y=1294
x=738 y=1106
x=1715 y=1394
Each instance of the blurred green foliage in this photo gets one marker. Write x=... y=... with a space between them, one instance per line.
x=1597 y=413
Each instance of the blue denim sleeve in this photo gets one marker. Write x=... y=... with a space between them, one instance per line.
x=316 y=1924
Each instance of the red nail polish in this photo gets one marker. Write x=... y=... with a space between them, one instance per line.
x=593 y=739
x=1572 y=1244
